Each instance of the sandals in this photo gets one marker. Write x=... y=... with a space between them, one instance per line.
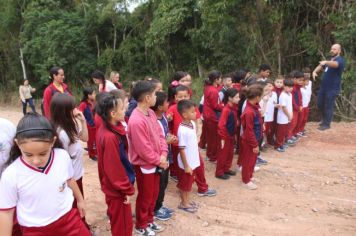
x=190 y=209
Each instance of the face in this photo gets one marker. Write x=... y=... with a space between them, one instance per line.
x=278 y=83
x=165 y=106
x=151 y=99
x=268 y=88
x=228 y=82
x=25 y=82
x=335 y=50
x=190 y=114
x=218 y=81
x=159 y=87
x=60 y=76
x=35 y=152
x=92 y=96
x=307 y=76
x=235 y=99
x=181 y=95
x=116 y=78
x=265 y=73
x=288 y=89
x=97 y=81
x=299 y=81
x=118 y=114
x=306 y=82
x=186 y=81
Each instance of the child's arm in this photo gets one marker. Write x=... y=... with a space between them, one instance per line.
x=248 y=120
x=222 y=130
x=187 y=168
x=78 y=196
x=286 y=112
x=6 y=222
x=80 y=117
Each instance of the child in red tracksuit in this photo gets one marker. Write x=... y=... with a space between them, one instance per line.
x=227 y=128
x=251 y=124
x=297 y=106
x=211 y=112
x=116 y=174
x=148 y=151
x=86 y=106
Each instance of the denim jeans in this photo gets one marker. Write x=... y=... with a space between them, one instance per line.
x=326 y=103
x=24 y=106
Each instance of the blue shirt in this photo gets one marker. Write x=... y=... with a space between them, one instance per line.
x=332 y=76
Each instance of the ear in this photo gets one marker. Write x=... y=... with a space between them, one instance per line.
x=54 y=140
x=16 y=141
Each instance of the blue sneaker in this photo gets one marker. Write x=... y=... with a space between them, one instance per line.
x=162 y=215
x=168 y=210
x=209 y=193
x=281 y=149
x=261 y=161
x=290 y=142
x=285 y=146
x=294 y=139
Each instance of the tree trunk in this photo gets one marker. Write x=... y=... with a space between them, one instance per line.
x=23 y=65
x=115 y=38
x=97 y=45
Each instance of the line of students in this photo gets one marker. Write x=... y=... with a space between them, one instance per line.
x=144 y=147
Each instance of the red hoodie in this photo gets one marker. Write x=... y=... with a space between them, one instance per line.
x=227 y=126
x=212 y=104
x=112 y=174
x=251 y=122
x=47 y=97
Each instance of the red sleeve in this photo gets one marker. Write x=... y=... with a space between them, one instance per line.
x=198 y=113
x=222 y=131
x=248 y=123
x=82 y=106
x=47 y=96
x=213 y=98
x=113 y=168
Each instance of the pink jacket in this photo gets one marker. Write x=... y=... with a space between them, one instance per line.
x=146 y=141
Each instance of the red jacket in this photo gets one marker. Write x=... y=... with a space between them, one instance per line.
x=227 y=126
x=212 y=104
x=251 y=122
x=47 y=97
x=112 y=175
x=237 y=86
x=177 y=118
x=297 y=98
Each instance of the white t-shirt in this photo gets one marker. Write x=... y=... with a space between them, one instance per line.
x=40 y=198
x=269 y=114
x=109 y=86
x=7 y=134
x=75 y=151
x=187 y=139
x=306 y=94
x=285 y=100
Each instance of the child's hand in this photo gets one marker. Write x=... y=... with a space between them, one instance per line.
x=78 y=114
x=222 y=143
x=163 y=162
x=171 y=139
x=169 y=117
x=300 y=109
x=81 y=208
x=127 y=200
x=256 y=150
x=188 y=170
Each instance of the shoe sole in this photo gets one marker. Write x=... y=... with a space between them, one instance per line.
x=206 y=195
x=162 y=219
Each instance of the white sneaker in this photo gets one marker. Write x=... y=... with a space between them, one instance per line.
x=155 y=227
x=256 y=168
x=250 y=185
x=239 y=168
x=145 y=232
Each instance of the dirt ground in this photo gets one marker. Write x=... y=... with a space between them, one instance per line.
x=308 y=190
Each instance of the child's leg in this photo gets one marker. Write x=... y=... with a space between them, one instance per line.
x=91 y=141
x=224 y=157
x=248 y=162
x=212 y=140
x=293 y=124
x=200 y=177
x=147 y=186
x=230 y=155
x=173 y=168
x=269 y=132
x=184 y=198
x=239 y=158
x=162 y=189
x=120 y=216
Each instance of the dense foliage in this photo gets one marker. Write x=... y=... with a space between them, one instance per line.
x=161 y=36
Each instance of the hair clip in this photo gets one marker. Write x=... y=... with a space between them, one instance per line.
x=31 y=129
x=174 y=83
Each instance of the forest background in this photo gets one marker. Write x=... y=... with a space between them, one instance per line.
x=159 y=37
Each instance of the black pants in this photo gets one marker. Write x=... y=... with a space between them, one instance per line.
x=326 y=103
x=162 y=189
x=24 y=106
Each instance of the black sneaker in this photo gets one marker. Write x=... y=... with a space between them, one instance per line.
x=145 y=232
x=224 y=176
x=231 y=173
x=155 y=227
x=323 y=127
x=94 y=158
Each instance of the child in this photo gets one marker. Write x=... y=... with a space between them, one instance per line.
x=39 y=183
x=86 y=106
x=211 y=112
x=132 y=102
x=179 y=78
x=227 y=128
x=115 y=78
x=297 y=105
x=188 y=158
x=182 y=93
x=306 y=96
x=157 y=84
x=227 y=83
x=284 y=116
x=161 y=106
x=116 y=174
x=104 y=84
x=25 y=91
x=71 y=128
x=148 y=150
x=269 y=113
x=251 y=122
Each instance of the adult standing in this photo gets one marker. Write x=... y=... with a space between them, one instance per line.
x=56 y=86
x=330 y=85
x=25 y=91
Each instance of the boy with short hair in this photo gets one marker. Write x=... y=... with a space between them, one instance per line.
x=188 y=157
x=227 y=83
x=148 y=150
x=306 y=96
x=284 y=116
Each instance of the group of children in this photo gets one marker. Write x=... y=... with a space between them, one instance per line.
x=142 y=140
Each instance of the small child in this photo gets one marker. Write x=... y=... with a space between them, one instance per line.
x=270 y=128
x=227 y=83
x=39 y=184
x=251 y=123
x=188 y=158
x=227 y=128
x=306 y=97
x=297 y=105
x=161 y=212
x=86 y=106
x=284 y=116
x=116 y=174
x=148 y=150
